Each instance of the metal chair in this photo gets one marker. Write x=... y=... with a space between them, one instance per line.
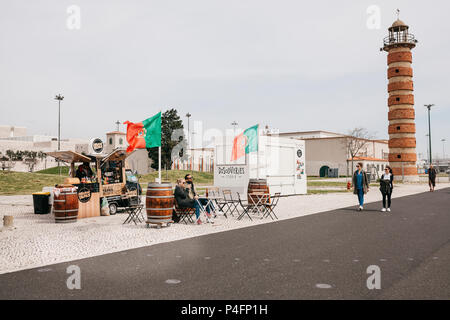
x=184 y=213
x=232 y=204
x=270 y=207
x=134 y=214
x=245 y=207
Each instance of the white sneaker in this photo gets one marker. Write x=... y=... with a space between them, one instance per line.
x=389 y=209
x=361 y=208
x=383 y=210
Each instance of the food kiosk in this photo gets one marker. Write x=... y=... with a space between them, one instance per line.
x=110 y=180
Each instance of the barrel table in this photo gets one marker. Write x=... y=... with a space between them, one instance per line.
x=65 y=204
x=159 y=204
x=257 y=185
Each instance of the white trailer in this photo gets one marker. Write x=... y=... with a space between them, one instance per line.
x=281 y=161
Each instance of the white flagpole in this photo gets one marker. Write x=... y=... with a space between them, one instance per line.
x=257 y=154
x=159 y=155
x=159 y=165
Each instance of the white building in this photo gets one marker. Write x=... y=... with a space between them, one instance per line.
x=328 y=150
x=198 y=159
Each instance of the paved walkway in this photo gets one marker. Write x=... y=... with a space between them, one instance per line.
x=319 y=256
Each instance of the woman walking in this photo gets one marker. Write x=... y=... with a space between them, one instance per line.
x=386 y=186
x=432 y=177
x=360 y=184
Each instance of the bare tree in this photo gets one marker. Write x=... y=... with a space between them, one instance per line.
x=355 y=141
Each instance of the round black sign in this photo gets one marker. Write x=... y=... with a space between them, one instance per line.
x=84 y=194
x=97 y=145
x=299 y=153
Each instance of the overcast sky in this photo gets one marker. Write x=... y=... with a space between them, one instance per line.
x=290 y=64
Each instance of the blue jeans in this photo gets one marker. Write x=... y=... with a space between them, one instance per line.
x=197 y=206
x=361 y=196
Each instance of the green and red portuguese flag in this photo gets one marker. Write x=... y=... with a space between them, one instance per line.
x=145 y=134
x=245 y=143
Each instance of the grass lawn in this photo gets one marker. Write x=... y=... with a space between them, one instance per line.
x=200 y=178
x=13 y=183
x=55 y=170
x=327 y=191
x=25 y=182
x=326 y=184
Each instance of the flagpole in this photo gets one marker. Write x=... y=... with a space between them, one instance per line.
x=257 y=154
x=159 y=158
x=159 y=165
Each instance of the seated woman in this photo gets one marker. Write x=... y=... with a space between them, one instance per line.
x=184 y=201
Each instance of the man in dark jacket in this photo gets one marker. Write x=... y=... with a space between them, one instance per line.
x=183 y=199
x=432 y=177
x=192 y=194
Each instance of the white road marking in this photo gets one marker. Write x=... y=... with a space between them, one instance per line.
x=173 y=281
x=323 y=286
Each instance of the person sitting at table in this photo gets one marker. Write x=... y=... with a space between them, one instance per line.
x=184 y=201
x=192 y=193
x=84 y=171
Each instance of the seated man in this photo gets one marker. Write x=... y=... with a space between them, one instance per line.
x=192 y=193
x=184 y=201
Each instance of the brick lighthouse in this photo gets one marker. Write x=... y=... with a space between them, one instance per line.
x=402 y=128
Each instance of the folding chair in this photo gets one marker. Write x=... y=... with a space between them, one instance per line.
x=184 y=213
x=232 y=204
x=271 y=206
x=245 y=207
x=214 y=196
x=218 y=200
x=134 y=214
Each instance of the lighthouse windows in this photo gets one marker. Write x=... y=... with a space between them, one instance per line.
x=399 y=156
x=397 y=70
x=398 y=127
x=397 y=99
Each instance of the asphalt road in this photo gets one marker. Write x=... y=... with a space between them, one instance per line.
x=320 y=256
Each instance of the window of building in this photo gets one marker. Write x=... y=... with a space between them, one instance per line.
x=120 y=141
x=110 y=140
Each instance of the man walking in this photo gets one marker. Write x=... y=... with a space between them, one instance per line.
x=431 y=177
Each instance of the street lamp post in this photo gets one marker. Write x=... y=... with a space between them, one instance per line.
x=59 y=98
x=234 y=124
x=428 y=106
x=188 y=115
x=443 y=148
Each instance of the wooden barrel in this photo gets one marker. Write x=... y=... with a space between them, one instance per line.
x=159 y=202
x=257 y=185
x=65 y=204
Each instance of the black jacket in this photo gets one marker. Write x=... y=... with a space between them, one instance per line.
x=182 y=198
x=386 y=186
x=432 y=174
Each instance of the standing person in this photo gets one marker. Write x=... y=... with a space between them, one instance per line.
x=386 y=186
x=360 y=184
x=431 y=177
x=192 y=193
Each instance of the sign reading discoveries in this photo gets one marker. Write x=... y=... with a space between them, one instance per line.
x=84 y=194
x=231 y=176
x=231 y=170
